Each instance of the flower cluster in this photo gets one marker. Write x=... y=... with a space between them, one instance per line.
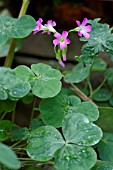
x=61 y=40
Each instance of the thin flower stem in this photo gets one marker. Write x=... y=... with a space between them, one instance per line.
x=98 y=88
x=3 y=115
x=10 y=56
x=15 y=144
x=34 y=104
x=90 y=86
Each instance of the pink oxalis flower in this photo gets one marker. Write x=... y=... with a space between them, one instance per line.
x=49 y=26
x=46 y=28
x=61 y=39
x=83 y=29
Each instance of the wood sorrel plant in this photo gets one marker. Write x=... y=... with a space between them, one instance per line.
x=73 y=124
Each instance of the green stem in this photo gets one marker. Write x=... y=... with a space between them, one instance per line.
x=90 y=86
x=98 y=88
x=3 y=115
x=88 y=78
x=34 y=104
x=15 y=144
x=10 y=56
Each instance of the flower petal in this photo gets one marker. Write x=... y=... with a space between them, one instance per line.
x=64 y=57
x=79 y=33
x=61 y=63
x=88 y=28
x=78 y=23
x=84 y=22
x=39 y=21
x=64 y=34
x=57 y=35
x=62 y=45
x=86 y=35
x=56 y=42
x=67 y=41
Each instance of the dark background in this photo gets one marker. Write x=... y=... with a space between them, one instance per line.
x=65 y=11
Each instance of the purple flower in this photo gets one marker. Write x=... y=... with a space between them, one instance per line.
x=39 y=26
x=49 y=26
x=61 y=63
x=61 y=39
x=83 y=29
x=46 y=28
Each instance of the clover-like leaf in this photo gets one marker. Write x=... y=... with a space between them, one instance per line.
x=8 y=158
x=22 y=27
x=44 y=142
x=24 y=73
x=105 y=147
x=106 y=116
x=4 y=49
x=15 y=27
x=20 y=90
x=100 y=40
x=103 y=165
x=5 y=26
x=7 y=105
x=5 y=126
x=62 y=103
x=102 y=95
x=75 y=157
x=78 y=74
x=99 y=65
x=47 y=82
x=36 y=123
x=18 y=133
x=3 y=94
x=88 y=109
x=77 y=129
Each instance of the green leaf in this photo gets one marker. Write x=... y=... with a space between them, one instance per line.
x=102 y=95
x=20 y=90
x=77 y=129
x=63 y=105
x=44 y=142
x=28 y=98
x=99 y=65
x=35 y=123
x=78 y=74
x=22 y=27
x=8 y=158
x=8 y=105
x=5 y=126
x=24 y=73
x=109 y=77
x=75 y=157
x=47 y=83
x=15 y=28
x=111 y=101
x=98 y=41
x=73 y=100
x=109 y=73
x=4 y=49
x=3 y=94
x=88 y=109
x=105 y=147
x=103 y=165
x=18 y=133
x=106 y=116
